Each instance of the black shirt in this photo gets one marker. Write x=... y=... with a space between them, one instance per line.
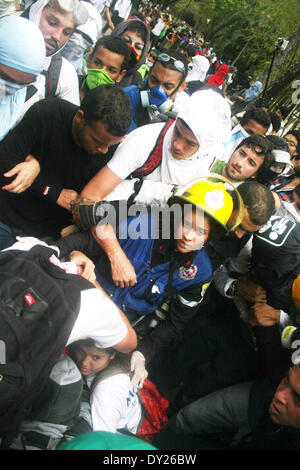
x=46 y=133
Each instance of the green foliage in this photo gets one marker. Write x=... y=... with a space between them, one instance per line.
x=246 y=32
x=188 y=16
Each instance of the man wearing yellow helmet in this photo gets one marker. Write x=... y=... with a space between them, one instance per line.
x=170 y=261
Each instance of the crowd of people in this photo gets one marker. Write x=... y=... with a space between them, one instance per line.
x=133 y=157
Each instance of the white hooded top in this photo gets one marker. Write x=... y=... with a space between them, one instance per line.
x=200 y=66
x=208 y=116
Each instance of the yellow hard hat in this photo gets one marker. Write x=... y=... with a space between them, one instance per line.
x=296 y=293
x=211 y=197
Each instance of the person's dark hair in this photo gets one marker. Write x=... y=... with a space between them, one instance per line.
x=111 y=105
x=262 y=147
x=120 y=358
x=284 y=111
x=258 y=115
x=255 y=141
x=296 y=134
x=138 y=28
x=278 y=143
x=216 y=229
x=191 y=50
x=90 y=343
x=117 y=45
x=259 y=201
x=170 y=65
x=262 y=103
x=276 y=121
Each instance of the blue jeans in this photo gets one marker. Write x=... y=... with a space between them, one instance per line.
x=8 y=235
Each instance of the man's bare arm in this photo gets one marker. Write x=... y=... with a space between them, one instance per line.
x=101 y=185
x=123 y=273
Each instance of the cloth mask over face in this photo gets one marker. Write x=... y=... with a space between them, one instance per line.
x=14 y=54
x=96 y=77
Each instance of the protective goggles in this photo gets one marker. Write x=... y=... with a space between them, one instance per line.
x=163 y=57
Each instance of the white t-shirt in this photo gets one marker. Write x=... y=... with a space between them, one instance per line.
x=114 y=404
x=238 y=134
x=123 y=7
x=135 y=149
x=158 y=27
x=98 y=319
x=100 y=4
x=98 y=316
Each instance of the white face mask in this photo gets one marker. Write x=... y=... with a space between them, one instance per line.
x=148 y=63
x=8 y=88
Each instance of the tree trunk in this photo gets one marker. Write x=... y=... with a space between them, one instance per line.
x=281 y=58
x=287 y=77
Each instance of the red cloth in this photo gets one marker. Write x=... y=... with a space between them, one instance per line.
x=155 y=406
x=219 y=77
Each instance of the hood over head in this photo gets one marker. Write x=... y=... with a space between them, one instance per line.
x=79 y=11
x=199 y=70
x=208 y=116
x=27 y=37
x=120 y=29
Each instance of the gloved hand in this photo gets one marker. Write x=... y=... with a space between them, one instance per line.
x=137 y=366
x=76 y=206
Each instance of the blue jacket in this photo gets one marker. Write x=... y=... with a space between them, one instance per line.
x=149 y=291
x=133 y=92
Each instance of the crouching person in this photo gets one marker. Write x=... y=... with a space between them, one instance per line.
x=40 y=391
x=115 y=405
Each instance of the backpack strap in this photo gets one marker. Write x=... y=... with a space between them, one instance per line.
x=52 y=76
x=118 y=366
x=155 y=156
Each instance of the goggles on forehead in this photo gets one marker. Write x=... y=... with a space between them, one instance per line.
x=163 y=57
x=79 y=11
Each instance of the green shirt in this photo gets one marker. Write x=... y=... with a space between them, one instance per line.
x=218 y=167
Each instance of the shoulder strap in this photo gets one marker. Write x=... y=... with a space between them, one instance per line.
x=155 y=156
x=118 y=366
x=52 y=76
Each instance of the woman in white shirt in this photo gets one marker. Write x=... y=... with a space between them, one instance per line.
x=114 y=403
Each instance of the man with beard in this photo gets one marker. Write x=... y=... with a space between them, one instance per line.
x=57 y=20
x=250 y=157
x=69 y=144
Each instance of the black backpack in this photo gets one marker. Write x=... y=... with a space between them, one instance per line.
x=39 y=304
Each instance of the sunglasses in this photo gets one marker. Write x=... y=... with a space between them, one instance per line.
x=177 y=63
